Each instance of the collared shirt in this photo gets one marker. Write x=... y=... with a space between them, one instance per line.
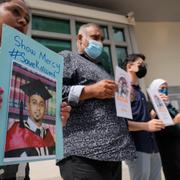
x=93 y=129
x=33 y=127
x=144 y=141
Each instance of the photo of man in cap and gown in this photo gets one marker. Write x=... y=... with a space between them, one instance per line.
x=27 y=138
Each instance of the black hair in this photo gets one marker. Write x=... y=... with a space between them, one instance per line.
x=3 y=1
x=132 y=58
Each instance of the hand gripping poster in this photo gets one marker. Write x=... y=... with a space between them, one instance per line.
x=31 y=76
x=122 y=96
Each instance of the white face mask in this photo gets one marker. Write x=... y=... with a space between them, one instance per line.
x=94 y=49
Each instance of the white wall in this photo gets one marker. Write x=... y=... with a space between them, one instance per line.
x=44 y=170
x=160 y=42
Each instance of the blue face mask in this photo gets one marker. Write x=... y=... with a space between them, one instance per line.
x=164 y=91
x=94 y=49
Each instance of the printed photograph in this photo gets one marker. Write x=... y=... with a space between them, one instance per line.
x=158 y=101
x=123 y=87
x=31 y=117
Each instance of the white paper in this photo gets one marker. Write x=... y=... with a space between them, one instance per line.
x=160 y=107
x=122 y=96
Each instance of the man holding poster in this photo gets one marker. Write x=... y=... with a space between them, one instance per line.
x=147 y=166
x=95 y=139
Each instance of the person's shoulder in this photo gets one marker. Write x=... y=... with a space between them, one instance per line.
x=67 y=53
x=70 y=56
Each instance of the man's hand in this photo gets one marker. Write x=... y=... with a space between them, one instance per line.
x=65 y=113
x=1 y=100
x=103 y=89
x=155 y=125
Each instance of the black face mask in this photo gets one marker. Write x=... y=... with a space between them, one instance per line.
x=141 y=72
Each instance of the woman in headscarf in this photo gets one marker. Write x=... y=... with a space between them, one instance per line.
x=168 y=139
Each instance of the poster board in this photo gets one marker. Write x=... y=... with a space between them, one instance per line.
x=24 y=60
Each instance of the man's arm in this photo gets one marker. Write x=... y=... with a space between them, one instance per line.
x=103 y=89
x=150 y=126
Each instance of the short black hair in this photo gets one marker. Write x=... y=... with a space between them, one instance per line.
x=132 y=58
x=36 y=87
x=3 y=1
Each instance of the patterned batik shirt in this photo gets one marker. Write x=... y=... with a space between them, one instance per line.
x=93 y=129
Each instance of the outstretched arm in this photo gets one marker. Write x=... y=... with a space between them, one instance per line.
x=150 y=126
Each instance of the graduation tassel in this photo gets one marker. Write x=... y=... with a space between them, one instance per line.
x=21 y=119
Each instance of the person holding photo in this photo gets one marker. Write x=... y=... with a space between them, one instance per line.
x=168 y=139
x=14 y=13
x=147 y=165
x=95 y=139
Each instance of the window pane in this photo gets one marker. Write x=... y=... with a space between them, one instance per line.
x=78 y=25
x=104 y=29
x=121 y=55
x=51 y=24
x=55 y=45
x=118 y=34
x=106 y=60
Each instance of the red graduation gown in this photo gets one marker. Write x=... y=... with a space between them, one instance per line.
x=20 y=138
